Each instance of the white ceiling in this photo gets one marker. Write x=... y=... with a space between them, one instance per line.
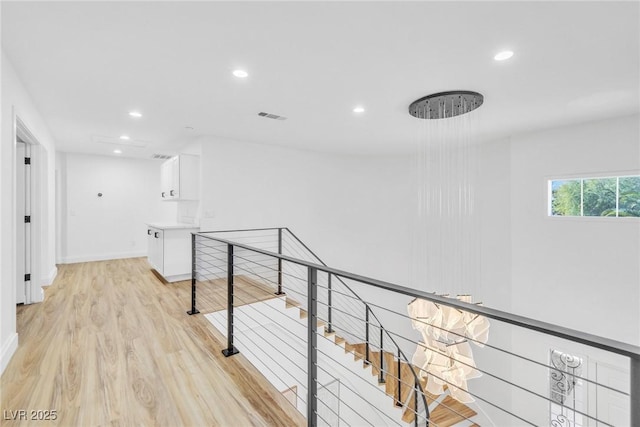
x=87 y=64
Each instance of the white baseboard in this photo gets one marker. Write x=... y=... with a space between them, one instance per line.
x=48 y=280
x=6 y=351
x=103 y=257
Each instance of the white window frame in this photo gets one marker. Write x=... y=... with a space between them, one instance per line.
x=582 y=177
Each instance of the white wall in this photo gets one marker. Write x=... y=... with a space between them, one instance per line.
x=111 y=226
x=355 y=212
x=334 y=203
x=17 y=101
x=581 y=273
x=584 y=272
x=250 y=185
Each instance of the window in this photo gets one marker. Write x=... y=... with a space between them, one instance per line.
x=600 y=196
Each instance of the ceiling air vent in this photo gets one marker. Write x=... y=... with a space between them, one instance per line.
x=131 y=143
x=271 y=116
x=161 y=156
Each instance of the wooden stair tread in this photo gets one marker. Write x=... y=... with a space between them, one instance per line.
x=289 y=303
x=408 y=414
x=444 y=416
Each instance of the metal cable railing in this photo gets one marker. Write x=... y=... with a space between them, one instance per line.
x=369 y=313
x=276 y=260
x=261 y=267
x=274 y=367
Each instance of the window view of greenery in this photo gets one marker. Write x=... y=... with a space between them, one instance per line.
x=566 y=198
x=596 y=197
x=629 y=199
x=599 y=197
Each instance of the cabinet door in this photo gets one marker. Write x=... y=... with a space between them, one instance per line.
x=174 y=190
x=151 y=247
x=155 y=249
x=159 y=251
x=180 y=177
x=177 y=252
x=166 y=177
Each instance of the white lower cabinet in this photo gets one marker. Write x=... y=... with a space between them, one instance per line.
x=169 y=250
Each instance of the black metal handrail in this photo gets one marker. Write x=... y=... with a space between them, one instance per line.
x=617 y=347
x=382 y=328
x=613 y=346
x=401 y=356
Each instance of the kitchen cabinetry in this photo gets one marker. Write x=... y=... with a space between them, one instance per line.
x=169 y=250
x=179 y=178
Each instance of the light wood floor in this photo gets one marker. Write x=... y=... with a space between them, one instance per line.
x=111 y=345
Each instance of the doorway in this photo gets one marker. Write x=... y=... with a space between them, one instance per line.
x=23 y=211
x=30 y=168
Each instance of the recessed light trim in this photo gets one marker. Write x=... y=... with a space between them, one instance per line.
x=358 y=109
x=241 y=74
x=125 y=137
x=117 y=151
x=136 y=114
x=504 y=55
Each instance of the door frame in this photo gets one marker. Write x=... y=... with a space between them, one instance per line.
x=38 y=173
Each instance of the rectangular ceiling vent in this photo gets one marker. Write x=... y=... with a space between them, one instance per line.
x=161 y=156
x=133 y=143
x=271 y=116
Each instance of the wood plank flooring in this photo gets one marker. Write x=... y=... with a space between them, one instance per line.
x=112 y=345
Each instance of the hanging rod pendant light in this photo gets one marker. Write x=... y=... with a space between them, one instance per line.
x=444 y=105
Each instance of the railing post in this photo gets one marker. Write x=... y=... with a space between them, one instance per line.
x=381 y=372
x=193 y=310
x=230 y=350
x=329 y=305
x=279 y=263
x=312 y=348
x=415 y=403
x=634 y=392
x=399 y=402
x=366 y=336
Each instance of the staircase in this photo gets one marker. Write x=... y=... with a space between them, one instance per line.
x=444 y=410
x=258 y=319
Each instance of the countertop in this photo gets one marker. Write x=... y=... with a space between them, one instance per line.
x=172 y=225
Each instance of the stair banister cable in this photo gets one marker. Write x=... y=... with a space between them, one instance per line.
x=607 y=344
x=400 y=352
x=231 y=350
x=630 y=351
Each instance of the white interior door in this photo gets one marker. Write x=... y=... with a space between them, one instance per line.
x=22 y=231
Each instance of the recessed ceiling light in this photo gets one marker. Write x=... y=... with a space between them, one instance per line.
x=358 y=109
x=117 y=151
x=501 y=56
x=240 y=74
x=125 y=137
x=136 y=114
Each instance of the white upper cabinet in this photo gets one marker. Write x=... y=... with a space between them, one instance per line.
x=179 y=178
